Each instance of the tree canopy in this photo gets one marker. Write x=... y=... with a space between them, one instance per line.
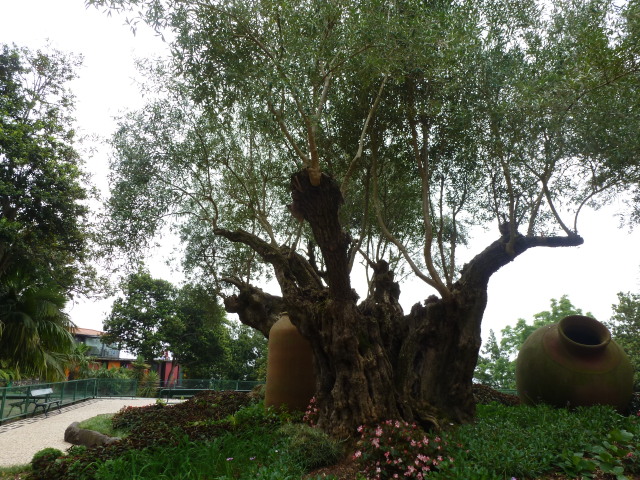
x=142 y=319
x=43 y=226
x=296 y=138
x=625 y=328
x=153 y=318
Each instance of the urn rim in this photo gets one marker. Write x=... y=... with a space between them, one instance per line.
x=583 y=334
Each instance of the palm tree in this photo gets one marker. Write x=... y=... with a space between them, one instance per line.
x=80 y=363
x=35 y=338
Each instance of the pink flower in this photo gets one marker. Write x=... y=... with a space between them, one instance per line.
x=378 y=431
x=358 y=454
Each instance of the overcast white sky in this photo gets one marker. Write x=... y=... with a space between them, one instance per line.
x=590 y=275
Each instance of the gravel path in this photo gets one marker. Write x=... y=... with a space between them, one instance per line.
x=21 y=439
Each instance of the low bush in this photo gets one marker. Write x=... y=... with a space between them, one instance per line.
x=396 y=449
x=41 y=461
x=310 y=447
x=257 y=414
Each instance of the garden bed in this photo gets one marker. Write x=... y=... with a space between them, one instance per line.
x=227 y=435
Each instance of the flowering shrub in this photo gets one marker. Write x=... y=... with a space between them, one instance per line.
x=396 y=449
x=312 y=413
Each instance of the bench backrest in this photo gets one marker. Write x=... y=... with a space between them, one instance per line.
x=41 y=392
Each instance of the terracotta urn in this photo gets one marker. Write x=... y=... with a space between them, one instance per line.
x=574 y=363
x=291 y=377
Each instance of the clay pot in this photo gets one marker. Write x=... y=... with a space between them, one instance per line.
x=291 y=378
x=574 y=363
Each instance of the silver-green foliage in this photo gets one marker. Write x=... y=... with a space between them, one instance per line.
x=433 y=116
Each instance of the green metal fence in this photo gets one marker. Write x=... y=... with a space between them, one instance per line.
x=16 y=402
x=116 y=387
x=212 y=384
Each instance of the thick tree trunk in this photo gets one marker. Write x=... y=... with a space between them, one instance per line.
x=374 y=363
x=438 y=357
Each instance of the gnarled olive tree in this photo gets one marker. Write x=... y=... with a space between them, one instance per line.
x=298 y=139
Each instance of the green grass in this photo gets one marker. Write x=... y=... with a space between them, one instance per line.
x=505 y=442
x=102 y=423
x=260 y=447
x=16 y=471
x=243 y=455
x=527 y=442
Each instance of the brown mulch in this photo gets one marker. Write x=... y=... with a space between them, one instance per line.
x=484 y=395
x=347 y=469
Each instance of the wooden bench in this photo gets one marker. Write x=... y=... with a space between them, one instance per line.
x=42 y=399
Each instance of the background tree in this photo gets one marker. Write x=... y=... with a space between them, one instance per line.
x=145 y=317
x=494 y=368
x=625 y=328
x=154 y=317
x=388 y=128
x=247 y=354
x=81 y=364
x=43 y=228
x=497 y=364
x=201 y=345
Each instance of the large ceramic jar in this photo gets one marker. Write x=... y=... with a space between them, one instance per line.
x=290 y=375
x=574 y=363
